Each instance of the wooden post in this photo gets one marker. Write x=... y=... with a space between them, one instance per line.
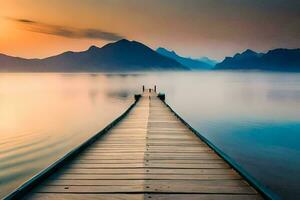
x=137 y=97
x=154 y=88
x=143 y=88
x=161 y=96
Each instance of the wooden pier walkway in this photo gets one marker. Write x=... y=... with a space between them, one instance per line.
x=150 y=154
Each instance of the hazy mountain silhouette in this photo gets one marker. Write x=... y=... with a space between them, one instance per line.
x=189 y=62
x=277 y=60
x=208 y=60
x=119 y=56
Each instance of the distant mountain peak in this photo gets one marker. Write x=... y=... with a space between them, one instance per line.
x=249 y=52
x=165 y=51
x=93 y=47
x=189 y=62
x=246 y=54
x=124 y=44
x=123 y=41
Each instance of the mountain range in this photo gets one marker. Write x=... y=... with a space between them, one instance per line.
x=128 y=56
x=120 y=56
x=273 y=60
x=193 y=64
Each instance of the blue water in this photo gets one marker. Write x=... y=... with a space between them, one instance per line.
x=267 y=150
x=253 y=117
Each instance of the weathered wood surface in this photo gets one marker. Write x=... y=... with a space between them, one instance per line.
x=149 y=155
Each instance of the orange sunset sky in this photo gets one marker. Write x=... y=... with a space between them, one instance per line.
x=214 y=28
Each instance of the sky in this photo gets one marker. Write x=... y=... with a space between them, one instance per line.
x=195 y=28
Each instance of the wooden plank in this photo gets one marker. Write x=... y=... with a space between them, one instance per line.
x=150 y=165
x=112 y=161
x=113 y=153
x=161 y=161
x=59 y=182
x=174 y=154
x=174 y=144
x=201 y=197
x=116 y=151
x=107 y=141
x=63 y=196
x=169 y=137
x=119 y=145
x=179 y=151
x=127 y=157
x=215 y=183
x=102 y=166
x=185 y=161
x=91 y=189
x=190 y=157
x=198 y=189
x=118 y=148
x=170 y=142
x=173 y=148
x=150 y=154
x=149 y=176
x=160 y=188
x=188 y=166
x=121 y=140
x=148 y=171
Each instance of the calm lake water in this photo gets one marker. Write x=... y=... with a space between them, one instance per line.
x=254 y=117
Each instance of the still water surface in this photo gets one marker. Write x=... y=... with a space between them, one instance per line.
x=253 y=117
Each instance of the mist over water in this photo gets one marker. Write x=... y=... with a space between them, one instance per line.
x=253 y=117
x=44 y=116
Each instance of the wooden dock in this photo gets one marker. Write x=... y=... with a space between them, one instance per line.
x=149 y=154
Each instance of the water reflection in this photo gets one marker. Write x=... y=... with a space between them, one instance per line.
x=43 y=116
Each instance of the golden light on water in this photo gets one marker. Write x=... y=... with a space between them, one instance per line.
x=45 y=115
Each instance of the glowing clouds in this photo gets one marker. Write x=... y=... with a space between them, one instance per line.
x=64 y=31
